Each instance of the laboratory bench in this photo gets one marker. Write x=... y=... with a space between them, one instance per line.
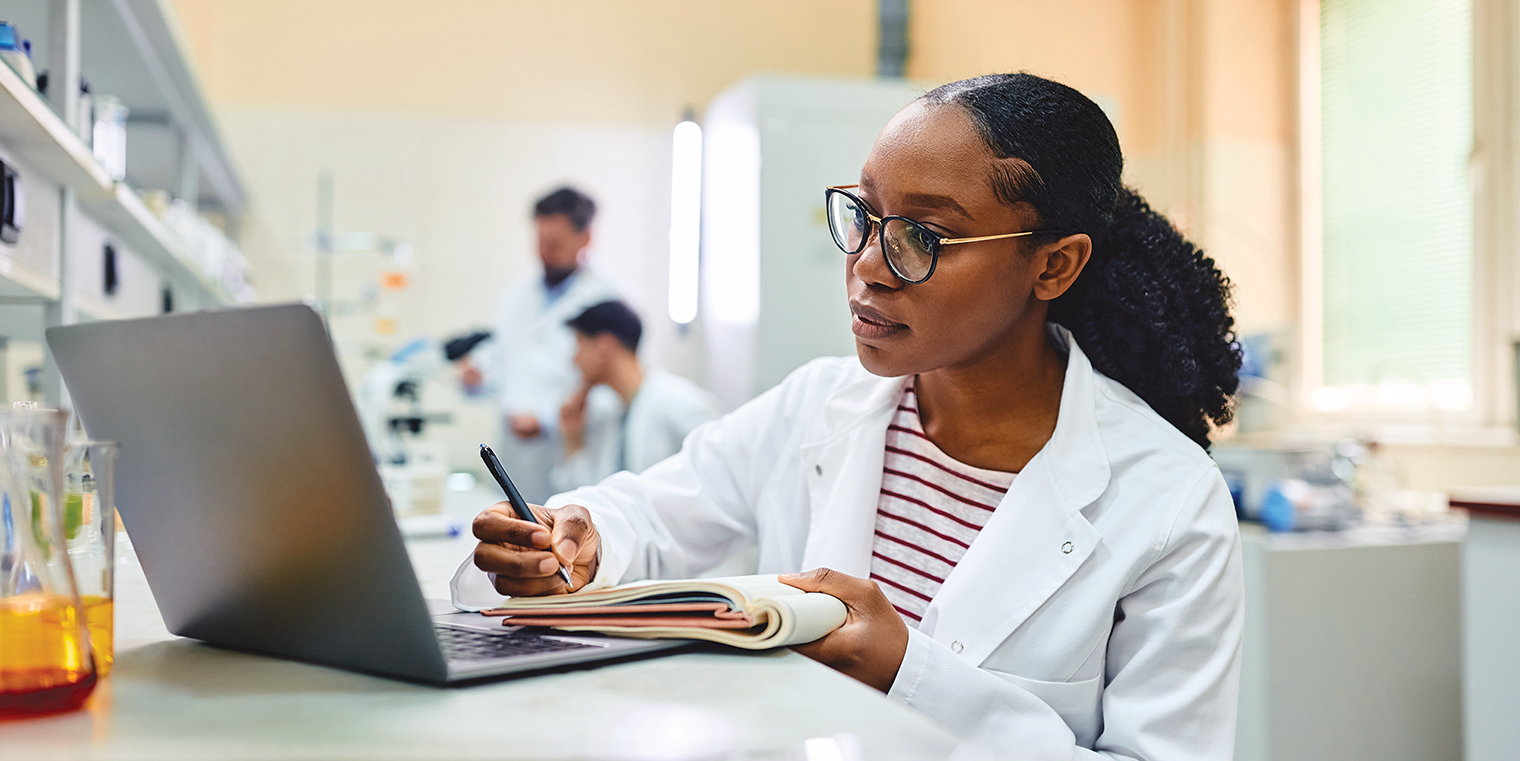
x=1352 y=644
x=1490 y=620
x=169 y=698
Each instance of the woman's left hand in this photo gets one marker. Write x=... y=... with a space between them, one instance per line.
x=871 y=643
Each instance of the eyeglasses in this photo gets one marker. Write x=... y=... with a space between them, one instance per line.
x=911 y=249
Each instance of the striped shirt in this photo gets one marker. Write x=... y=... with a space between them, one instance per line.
x=930 y=509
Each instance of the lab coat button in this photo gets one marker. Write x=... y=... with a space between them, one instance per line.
x=818 y=469
x=1066 y=548
x=956 y=647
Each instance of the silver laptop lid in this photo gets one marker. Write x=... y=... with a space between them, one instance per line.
x=248 y=488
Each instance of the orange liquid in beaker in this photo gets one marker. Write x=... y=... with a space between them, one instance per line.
x=44 y=659
x=100 y=619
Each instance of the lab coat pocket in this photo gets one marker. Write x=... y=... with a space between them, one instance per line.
x=1078 y=703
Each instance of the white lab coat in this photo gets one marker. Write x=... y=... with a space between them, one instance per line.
x=635 y=436
x=528 y=367
x=1098 y=614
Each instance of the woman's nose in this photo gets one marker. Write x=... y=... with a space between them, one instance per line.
x=870 y=265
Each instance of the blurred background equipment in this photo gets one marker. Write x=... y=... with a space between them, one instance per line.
x=390 y=405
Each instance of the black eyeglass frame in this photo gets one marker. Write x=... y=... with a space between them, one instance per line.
x=878 y=223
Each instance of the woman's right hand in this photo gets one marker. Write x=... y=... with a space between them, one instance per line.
x=520 y=553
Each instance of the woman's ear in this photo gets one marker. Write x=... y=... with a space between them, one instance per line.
x=1063 y=260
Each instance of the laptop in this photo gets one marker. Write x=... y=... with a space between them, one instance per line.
x=253 y=503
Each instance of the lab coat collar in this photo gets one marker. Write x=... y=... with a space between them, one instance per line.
x=1036 y=539
x=1075 y=452
x=844 y=454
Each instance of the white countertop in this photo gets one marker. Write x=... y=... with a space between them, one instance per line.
x=1451 y=528
x=171 y=698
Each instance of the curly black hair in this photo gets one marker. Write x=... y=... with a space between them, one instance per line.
x=1150 y=310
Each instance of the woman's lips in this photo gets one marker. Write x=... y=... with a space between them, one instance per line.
x=869 y=323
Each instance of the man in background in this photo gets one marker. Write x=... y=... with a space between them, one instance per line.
x=527 y=365
x=624 y=417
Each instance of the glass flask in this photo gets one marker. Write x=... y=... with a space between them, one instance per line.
x=46 y=662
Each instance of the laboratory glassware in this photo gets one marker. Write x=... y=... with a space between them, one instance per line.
x=89 y=526
x=46 y=662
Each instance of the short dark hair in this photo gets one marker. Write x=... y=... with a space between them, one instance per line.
x=610 y=317
x=570 y=202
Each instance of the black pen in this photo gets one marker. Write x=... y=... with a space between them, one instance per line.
x=500 y=474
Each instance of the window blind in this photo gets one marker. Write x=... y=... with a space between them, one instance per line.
x=1396 y=132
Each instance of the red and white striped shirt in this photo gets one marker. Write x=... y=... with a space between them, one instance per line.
x=931 y=507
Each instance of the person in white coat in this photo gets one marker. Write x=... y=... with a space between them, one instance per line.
x=1008 y=486
x=641 y=417
x=526 y=365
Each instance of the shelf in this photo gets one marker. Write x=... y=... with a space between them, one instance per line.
x=44 y=141
x=31 y=127
x=125 y=216
x=17 y=282
x=41 y=140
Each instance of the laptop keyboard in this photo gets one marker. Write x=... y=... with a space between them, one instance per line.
x=466 y=645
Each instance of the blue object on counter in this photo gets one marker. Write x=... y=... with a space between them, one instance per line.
x=9 y=40
x=1277 y=511
x=1236 y=485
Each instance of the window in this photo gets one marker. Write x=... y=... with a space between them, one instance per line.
x=1395 y=119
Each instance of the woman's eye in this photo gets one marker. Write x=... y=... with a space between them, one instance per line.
x=923 y=239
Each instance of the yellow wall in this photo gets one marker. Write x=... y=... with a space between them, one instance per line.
x=640 y=61
x=1092 y=45
x=1202 y=93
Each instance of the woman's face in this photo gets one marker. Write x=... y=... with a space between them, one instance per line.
x=929 y=164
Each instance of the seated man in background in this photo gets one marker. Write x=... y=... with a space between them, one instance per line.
x=624 y=417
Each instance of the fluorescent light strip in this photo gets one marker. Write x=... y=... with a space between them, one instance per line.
x=685 y=220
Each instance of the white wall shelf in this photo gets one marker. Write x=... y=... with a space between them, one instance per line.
x=31 y=128
x=76 y=210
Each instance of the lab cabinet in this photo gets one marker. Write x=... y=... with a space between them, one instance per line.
x=1491 y=622
x=1352 y=645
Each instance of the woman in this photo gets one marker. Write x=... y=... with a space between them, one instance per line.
x=1009 y=488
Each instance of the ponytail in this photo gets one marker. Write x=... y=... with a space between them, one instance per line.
x=1149 y=310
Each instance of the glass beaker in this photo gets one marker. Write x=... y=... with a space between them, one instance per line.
x=89 y=528
x=46 y=662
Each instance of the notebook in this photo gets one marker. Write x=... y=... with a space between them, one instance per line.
x=752 y=612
